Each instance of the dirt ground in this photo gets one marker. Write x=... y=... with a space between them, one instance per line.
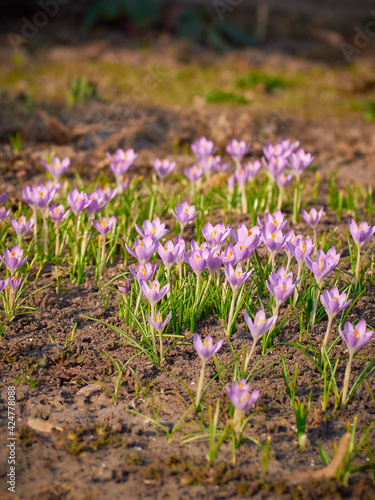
x=91 y=448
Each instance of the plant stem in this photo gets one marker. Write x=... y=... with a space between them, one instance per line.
x=200 y=384
x=231 y=312
x=346 y=381
x=325 y=340
x=45 y=233
x=315 y=240
x=102 y=259
x=197 y=287
x=161 y=346
x=280 y=198
x=248 y=356
x=237 y=420
x=243 y=198
x=295 y=296
x=315 y=307
x=358 y=265
x=152 y=329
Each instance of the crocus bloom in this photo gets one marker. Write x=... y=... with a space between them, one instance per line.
x=210 y=163
x=261 y=324
x=361 y=233
x=57 y=213
x=228 y=256
x=241 y=175
x=203 y=148
x=355 y=336
x=215 y=235
x=78 y=201
x=281 y=287
x=3 y=196
x=168 y=253
x=275 y=165
x=300 y=160
x=163 y=167
x=282 y=149
x=15 y=282
x=104 y=195
x=246 y=236
x=334 y=302
x=144 y=249
x=4 y=284
x=231 y=183
x=184 y=213
x=21 y=226
x=144 y=272
x=158 y=323
x=13 y=259
x=237 y=277
x=283 y=180
x=103 y=226
x=57 y=167
x=237 y=149
x=323 y=264
x=214 y=261
x=154 y=293
x=206 y=348
x=313 y=217
x=253 y=167
x=40 y=196
x=240 y=396
x=124 y=286
x=4 y=213
x=155 y=229
x=274 y=240
x=196 y=261
x=193 y=173
x=273 y=221
x=121 y=161
x=300 y=249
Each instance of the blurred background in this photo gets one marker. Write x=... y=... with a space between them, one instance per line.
x=82 y=77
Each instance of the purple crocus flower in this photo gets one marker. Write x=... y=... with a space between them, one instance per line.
x=261 y=324
x=242 y=175
x=206 y=348
x=283 y=180
x=215 y=235
x=121 y=161
x=281 y=287
x=355 y=336
x=300 y=249
x=57 y=213
x=253 y=167
x=361 y=233
x=104 y=195
x=104 y=227
x=273 y=221
x=4 y=284
x=78 y=201
x=40 y=196
x=144 y=250
x=13 y=259
x=203 y=148
x=15 y=282
x=275 y=165
x=236 y=277
x=21 y=226
x=274 y=240
x=240 y=396
x=231 y=183
x=228 y=256
x=196 y=261
x=214 y=261
x=334 y=302
x=163 y=167
x=4 y=214
x=184 y=213
x=154 y=293
x=144 y=272
x=124 y=287
x=3 y=196
x=237 y=149
x=155 y=229
x=313 y=217
x=323 y=264
x=282 y=149
x=96 y=203
x=210 y=163
x=168 y=253
x=158 y=323
x=300 y=160
x=57 y=167
x=245 y=235
x=193 y=173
